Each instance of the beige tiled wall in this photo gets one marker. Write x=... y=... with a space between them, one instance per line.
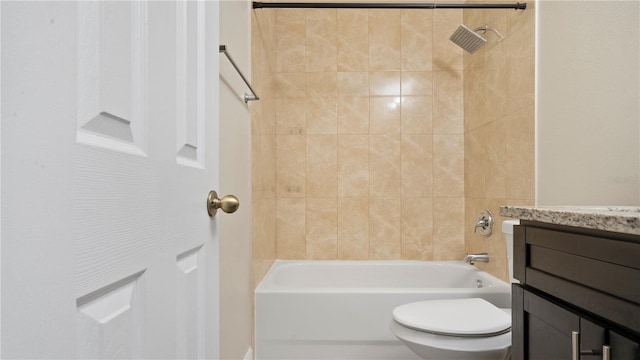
x=377 y=139
x=370 y=135
x=499 y=125
x=263 y=125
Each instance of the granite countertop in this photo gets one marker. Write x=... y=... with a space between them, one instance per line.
x=622 y=219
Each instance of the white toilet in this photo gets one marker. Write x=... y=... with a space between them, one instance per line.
x=470 y=329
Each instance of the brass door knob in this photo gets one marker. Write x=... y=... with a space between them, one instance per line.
x=228 y=204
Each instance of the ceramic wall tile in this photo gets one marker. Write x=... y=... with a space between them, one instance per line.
x=446 y=54
x=290 y=228
x=417 y=228
x=385 y=176
x=390 y=138
x=289 y=85
x=321 y=115
x=417 y=40
x=417 y=83
x=290 y=116
x=448 y=165
x=448 y=102
x=353 y=83
x=417 y=165
x=353 y=40
x=520 y=170
x=353 y=166
x=416 y=114
x=321 y=166
x=353 y=115
x=321 y=50
x=384 y=40
x=384 y=83
x=353 y=228
x=385 y=226
x=290 y=165
x=290 y=45
x=384 y=115
x=322 y=228
x=448 y=228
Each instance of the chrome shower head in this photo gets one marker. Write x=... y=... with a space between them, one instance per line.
x=468 y=40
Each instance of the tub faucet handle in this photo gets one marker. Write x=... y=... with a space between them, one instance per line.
x=484 y=222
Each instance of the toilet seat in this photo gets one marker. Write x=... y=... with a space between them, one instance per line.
x=470 y=318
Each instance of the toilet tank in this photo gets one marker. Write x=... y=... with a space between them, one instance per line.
x=507 y=229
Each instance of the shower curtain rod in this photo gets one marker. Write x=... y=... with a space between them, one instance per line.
x=336 y=5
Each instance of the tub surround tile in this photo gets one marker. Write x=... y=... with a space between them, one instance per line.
x=622 y=219
x=520 y=64
x=417 y=228
x=417 y=40
x=353 y=83
x=446 y=54
x=353 y=115
x=290 y=45
x=353 y=40
x=353 y=166
x=385 y=241
x=290 y=228
x=498 y=127
x=417 y=165
x=321 y=166
x=385 y=176
x=353 y=228
x=448 y=102
x=416 y=114
x=384 y=83
x=289 y=85
x=290 y=116
x=384 y=117
x=384 y=40
x=321 y=228
x=290 y=165
x=321 y=50
x=448 y=235
x=385 y=135
x=321 y=84
x=520 y=170
x=448 y=165
x=495 y=171
x=264 y=128
x=417 y=83
x=321 y=115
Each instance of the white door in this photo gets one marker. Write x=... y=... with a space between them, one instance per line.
x=109 y=149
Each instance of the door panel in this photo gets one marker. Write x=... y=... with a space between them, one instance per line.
x=126 y=262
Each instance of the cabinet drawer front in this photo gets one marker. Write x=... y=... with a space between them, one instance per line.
x=622 y=312
x=617 y=280
x=611 y=250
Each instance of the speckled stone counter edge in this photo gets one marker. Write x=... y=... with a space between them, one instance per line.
x=617 y=219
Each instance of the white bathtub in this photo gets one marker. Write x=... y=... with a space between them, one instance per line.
x=342 y=309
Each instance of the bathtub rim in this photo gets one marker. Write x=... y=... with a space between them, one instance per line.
x=268 y=286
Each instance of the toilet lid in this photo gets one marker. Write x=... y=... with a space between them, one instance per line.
x=455 y=317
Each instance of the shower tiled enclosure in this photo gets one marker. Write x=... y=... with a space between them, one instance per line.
x=378 y=139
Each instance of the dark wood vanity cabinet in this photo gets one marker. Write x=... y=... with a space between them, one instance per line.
x=579 y=293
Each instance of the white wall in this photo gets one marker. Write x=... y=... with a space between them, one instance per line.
x=236 y=293
x=587 y=103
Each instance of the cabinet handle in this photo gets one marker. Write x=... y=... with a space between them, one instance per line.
x=575 y=345
x=606 y=352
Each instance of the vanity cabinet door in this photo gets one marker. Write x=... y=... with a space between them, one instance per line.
x=623 y=348
x=592 y=338
x=545 y=332
x=548 y=329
